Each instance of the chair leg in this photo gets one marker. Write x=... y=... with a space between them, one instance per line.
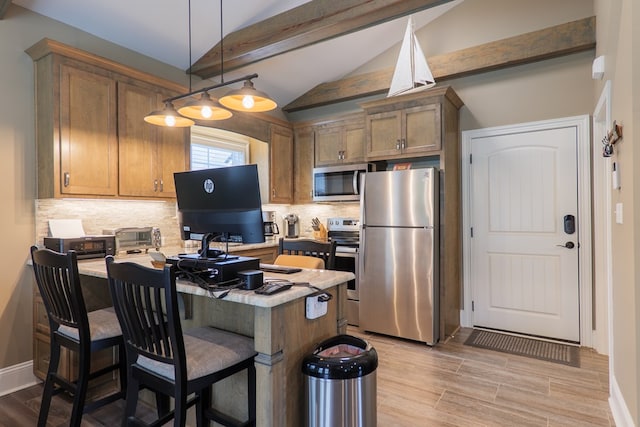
x=202 y=404
x=131 y=400
x=180 y=414
x=82 y=384
x=163 y=404
x=251 y=393
x=122 y=361
x=47 y=393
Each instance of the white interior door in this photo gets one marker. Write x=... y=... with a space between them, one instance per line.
x=524 y=259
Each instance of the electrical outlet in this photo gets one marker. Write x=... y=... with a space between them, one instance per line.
x=316 y=306
x=618 y=213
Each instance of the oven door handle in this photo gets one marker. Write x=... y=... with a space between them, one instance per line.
x=346 y=254
x=356 y=190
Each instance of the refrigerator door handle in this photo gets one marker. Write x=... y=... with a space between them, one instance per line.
x=356 y=190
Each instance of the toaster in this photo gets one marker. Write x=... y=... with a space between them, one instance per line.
x=135 y=239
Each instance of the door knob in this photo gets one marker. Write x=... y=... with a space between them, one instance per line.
x=568 y=245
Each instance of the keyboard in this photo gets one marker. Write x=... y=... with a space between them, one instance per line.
x=273 y=268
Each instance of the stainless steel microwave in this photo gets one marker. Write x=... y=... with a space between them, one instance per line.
x=339 y=183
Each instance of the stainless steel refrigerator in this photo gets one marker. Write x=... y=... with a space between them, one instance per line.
x=398 y=270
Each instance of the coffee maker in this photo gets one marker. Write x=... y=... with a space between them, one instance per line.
x=291 y=225
x=270 y=226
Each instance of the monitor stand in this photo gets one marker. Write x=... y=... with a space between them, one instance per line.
x=211 y=254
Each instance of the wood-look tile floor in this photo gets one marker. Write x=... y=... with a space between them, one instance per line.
x=447 y=385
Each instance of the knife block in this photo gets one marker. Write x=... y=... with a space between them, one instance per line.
x=321 y=234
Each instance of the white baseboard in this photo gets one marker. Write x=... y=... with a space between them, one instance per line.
x=17 y=377
x=619 y=410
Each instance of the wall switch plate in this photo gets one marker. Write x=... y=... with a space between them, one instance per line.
x=315 y=307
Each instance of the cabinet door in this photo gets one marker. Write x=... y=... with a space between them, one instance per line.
x=303 y=165
x=281 y=165
x=354 y=143
x=328 y=146
x=384 y=133
x=172 y=156
x=88 y=134
x=137 y=138
x=266 y=255
x=421 y=129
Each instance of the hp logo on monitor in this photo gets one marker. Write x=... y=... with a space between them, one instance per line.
x=209 y=186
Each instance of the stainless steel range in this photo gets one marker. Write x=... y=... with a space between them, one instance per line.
x=346 y=232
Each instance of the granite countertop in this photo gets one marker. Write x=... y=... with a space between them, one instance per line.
x=321 y=279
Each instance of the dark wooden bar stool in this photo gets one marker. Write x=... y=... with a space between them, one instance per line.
x=161 y=358
x=73 y=328
x=309 y=247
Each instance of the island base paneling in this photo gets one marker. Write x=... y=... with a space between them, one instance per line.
x=283 y=336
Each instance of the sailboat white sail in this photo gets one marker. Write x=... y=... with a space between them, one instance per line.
x=412 y=72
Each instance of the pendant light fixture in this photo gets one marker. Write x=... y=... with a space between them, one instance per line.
x=247 y=99
x=204 y=108
x=168 y=116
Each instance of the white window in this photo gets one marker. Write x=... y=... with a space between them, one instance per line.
x=214 y=148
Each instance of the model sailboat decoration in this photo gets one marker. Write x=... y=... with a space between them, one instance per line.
x=412 y=73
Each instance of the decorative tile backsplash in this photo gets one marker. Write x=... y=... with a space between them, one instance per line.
x=98 y=214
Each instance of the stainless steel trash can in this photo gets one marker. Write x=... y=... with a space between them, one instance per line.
x=340 y=383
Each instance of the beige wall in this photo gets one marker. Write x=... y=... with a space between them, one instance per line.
x=618 y=42
x=19 y=30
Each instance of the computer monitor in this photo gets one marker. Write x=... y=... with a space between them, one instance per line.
x=220 y=203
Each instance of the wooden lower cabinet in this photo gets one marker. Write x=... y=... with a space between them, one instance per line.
x=266 y=255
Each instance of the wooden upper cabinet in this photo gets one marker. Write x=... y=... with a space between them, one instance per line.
x=88 y=143
x=410 y=125
x=303 y=139
x=90 y=131
x=149 y=155
x=340 y=141
x=281 y=165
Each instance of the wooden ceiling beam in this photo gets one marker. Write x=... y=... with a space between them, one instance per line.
x=310 y=23
x=4 y=5
x=559 y=40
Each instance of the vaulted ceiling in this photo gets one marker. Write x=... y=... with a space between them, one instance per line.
x=302 y=50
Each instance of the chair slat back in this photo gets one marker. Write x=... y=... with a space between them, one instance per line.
x=146 y=303
x=59 y=285
x=309 y=247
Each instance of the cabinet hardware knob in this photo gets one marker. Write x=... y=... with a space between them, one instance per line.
x=161 y=185
x=155 y=185
x=66 y=179
x=397 y=144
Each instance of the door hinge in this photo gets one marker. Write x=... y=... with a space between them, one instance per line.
x=471 y=158
x=473 y=306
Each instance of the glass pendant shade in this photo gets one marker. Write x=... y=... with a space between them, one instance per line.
x=204 y=108
x=248 y=99
x=168 y=116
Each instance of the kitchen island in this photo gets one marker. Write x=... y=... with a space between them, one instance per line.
x=282 y=335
